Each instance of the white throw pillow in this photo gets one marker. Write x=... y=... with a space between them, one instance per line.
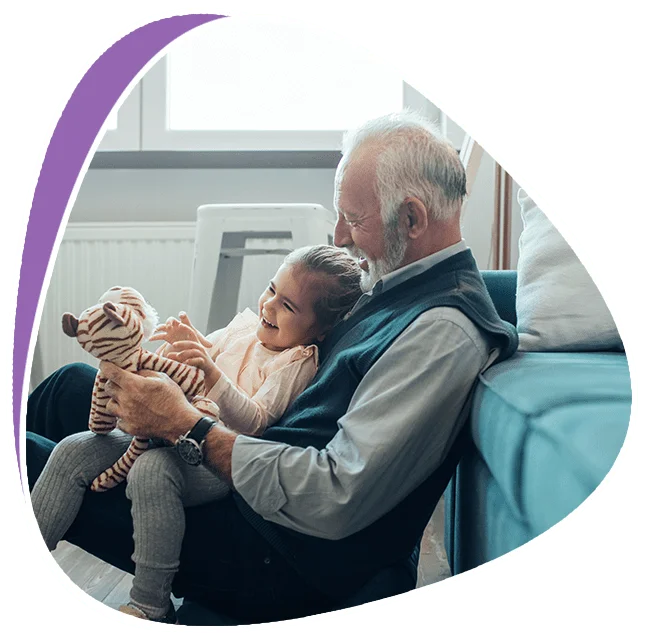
x=558 y=306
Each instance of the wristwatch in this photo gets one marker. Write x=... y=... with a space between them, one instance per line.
x=189 y=446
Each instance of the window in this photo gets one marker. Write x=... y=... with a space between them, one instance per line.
x=235 y=85
x=238 y=85
x=230 y=76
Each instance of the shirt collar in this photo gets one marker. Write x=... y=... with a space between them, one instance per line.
x=408 y=272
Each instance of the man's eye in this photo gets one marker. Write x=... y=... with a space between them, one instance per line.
x=271 y=289
x=288 y=307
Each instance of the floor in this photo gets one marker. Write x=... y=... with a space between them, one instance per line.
x=98 y=579
x=433 y=562
x=111 y=586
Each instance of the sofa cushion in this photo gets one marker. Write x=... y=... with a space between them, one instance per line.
x=559 y=307
x=549 y=426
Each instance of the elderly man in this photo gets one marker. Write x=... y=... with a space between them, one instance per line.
x=343 y=485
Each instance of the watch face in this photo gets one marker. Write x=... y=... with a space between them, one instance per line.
x=189 y=451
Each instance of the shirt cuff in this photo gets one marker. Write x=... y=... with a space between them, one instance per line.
x=254 y=470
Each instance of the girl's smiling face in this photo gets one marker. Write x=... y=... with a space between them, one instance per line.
x=286 y=309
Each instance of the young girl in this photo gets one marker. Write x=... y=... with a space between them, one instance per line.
x=254 y=369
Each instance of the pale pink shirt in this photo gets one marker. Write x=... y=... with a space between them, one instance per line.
x=257 y=384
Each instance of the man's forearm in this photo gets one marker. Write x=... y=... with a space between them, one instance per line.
x=218 y=451
x=218 y=444
x=149 y=404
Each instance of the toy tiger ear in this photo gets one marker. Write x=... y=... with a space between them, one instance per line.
x=112 y=311
x=70 y=325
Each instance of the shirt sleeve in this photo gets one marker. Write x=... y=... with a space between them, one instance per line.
x=216 y=338
x=253 y=415
x=400 y=424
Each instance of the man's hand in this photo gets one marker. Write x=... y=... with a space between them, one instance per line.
x=147 y=403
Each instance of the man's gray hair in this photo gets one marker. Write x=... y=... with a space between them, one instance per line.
x=414 y=160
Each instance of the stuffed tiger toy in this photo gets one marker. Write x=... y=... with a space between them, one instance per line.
x=113 y=331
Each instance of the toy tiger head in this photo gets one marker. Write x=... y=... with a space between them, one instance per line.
x=113 y=329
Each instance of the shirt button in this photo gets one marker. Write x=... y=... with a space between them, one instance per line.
x=267 y=560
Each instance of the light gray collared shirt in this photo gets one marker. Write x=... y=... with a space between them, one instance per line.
x=403 y=418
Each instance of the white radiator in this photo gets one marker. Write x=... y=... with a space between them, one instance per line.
x=154 y=258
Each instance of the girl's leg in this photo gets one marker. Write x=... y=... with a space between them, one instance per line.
x=72 y=466
x=160 y=485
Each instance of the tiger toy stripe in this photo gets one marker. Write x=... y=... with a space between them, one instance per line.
x=113 y=331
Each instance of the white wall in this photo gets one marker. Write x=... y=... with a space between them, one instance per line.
x=164 y=195
x=146 y=195
x=174 y=195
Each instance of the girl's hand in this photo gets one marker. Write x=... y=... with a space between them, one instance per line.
x=195 y=354
x=172 y=330
x=179 y=330
x=183 y=318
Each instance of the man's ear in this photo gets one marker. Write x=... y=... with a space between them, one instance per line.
x=415 y=216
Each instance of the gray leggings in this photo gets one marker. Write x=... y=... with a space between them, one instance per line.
x=159 y=486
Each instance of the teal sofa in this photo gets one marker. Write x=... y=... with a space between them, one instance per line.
x=545 y=429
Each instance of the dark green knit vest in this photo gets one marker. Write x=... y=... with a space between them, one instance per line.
x=340 y=567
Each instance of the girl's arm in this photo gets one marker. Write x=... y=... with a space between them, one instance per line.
x=240 y=412
x=253 y=415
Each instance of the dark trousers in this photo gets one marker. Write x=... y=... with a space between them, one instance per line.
x=225 y=564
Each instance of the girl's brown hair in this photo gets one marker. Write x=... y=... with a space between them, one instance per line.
x=342 y=279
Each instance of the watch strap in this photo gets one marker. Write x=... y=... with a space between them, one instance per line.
x=199 y=430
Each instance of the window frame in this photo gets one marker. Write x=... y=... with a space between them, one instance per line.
x=127 y=135
x=142 y=127
x=157 y=137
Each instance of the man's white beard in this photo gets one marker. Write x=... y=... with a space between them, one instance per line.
x=396 y=244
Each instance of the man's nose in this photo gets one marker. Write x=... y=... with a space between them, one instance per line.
x=342 y=236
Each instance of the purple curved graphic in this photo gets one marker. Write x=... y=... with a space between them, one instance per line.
x=77 y=128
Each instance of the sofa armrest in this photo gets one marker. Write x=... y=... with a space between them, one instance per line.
x=502 y=287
